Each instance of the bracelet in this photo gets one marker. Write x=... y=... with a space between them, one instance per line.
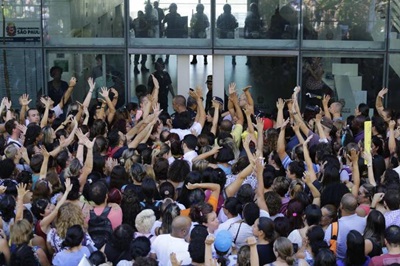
x=80 y=143
x=372 y=208
x=369 y=165
x=91 y=91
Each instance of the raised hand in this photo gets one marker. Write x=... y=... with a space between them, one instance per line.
x=248 y=87
x=382 y=92
x=326 y=99
x=7 y=103
x=260 y=125
x=22 y=128
x=68 y=185
x=44 y=151
x=232 y=88
x=21 y=189
x=24 y=100
x=104 y=92
x=155 y=82
x=280 y=104
x=91 y=83
x=72 y=82
x=353 y=155
x=392 y=124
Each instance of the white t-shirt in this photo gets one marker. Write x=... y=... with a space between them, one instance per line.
x=183 y=132
x=164 y=245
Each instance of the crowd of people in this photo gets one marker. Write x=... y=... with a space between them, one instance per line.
x=218 y=182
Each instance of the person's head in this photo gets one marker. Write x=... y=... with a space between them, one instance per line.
x=312 y=214
x=169 y=211
x=167 y=190
x=41 y=208
x=98 y=192
x=74 y=236
x=348 y=204
x=140 y=247
x=362 y=109
x=329 y=214
x=243 y=256
x=282 y=226
x=7 y=207
x=180 y=226
x=144 y=221
x=179 y=103
x=122 y=237
x=375 y=227
x=173 y=8
x=137 y=172
x=68 y=215
x=21 y=232
x=392 y=236
x=11 y=127
x=325 y=257
x=273 y=201
x=245 y=194
x=149 y=188
x=189 y=142
x=232 y=207
x=355 y=253
x=178 y=170
x=295 y=170
x=33 y=115
x=204 y=214
x=281 y=185
x=294 y=212
x=198 y=236
x=227 y=8
x=97 y=258
x=200 y=8
x=392 y=200
x=264 y=228
x=283 y=249
x=315 y=239
x=336 y=108
x=223 y=241
x=33 y=134
x=224 y=155
x=251 y=212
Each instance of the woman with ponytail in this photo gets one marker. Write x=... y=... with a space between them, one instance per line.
x=73 y=251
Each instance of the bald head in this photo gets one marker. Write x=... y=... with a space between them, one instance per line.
x=180 y=226
x=349 y=203
x=335 y=108
x=180 y=100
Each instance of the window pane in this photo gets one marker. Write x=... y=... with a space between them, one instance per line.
x=344 y=24
x=81 y=22
x=141 y=80
x=270 y=77
x=394 y=81
x=261 y=24
x=106 y=69
x=350 y=79
x=22 y=23
x=395 y=23
x=170 y=24
x=21 y=72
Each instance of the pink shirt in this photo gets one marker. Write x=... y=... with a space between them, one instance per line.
x=115 y=215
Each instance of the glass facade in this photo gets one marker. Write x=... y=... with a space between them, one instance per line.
x=325 y=45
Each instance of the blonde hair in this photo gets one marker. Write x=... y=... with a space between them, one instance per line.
x=149 y=171
x=21 y=232
x=73 y=168
x=47 y=134
x=144 y=221
x=284 y=248
x=68 y=215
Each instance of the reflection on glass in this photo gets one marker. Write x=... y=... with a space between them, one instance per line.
x=394 y=22
x=394 y=81
x=349 y=80
x=166 y=74
x=270 y=77
x=173 y=20
x=80 y=22
x=21 y=72
x=344 y=20
x=107 y=70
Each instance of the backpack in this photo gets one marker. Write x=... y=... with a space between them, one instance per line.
x=100 y=228
x=334 y=236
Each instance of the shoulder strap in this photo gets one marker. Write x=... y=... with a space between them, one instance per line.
x=105 y=212
x=237 y=233
x=334 y=230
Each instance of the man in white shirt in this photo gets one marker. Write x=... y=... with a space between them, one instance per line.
x=175 y=242
x=189 y=144
x=13 y=132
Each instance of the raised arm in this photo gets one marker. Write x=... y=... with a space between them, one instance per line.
x=314 y=191
x=88 y=166
x=250 y=127
x=201 y=112
x=24 y=102
x=105 y=93
x=307 y=158
x=7 y=104
x=43 y=168
x=88 y=97
x=21 y=189
x=259 y=168
x=321 y=132
x=280 y=147
x=47 y=102
x=296 y=130
x=249 y=98
x=67 y=94
x=115 y=97
x=392 y=139
x=280 y=104
x=215 y=117
x=47 y=220
x=252 y=243
x=215 y=188
x=207 y=154
x=371 y=177
x=156 y=88
x=325 y=102
x=379 y=102
x=356 y=172
x=260 y=136
x=142 y=134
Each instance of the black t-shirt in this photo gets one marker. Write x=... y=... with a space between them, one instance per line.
x=266 y=254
